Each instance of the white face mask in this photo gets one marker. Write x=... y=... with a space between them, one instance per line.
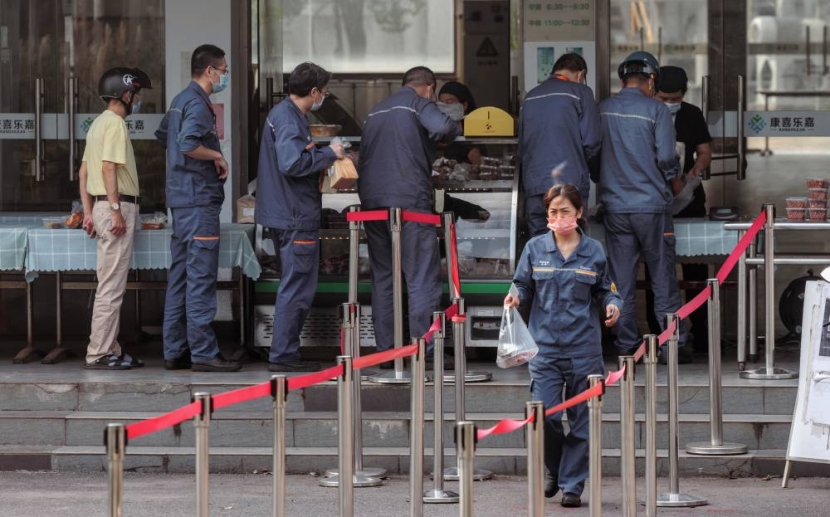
x=317 y=105
x=454 y=110
x=674 y=107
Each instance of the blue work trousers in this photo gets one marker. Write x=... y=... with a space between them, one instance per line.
x=629 y=237
x=552 y=381
x=537 y=215
x=421 y=272
x=190 y=304
x=299 y=266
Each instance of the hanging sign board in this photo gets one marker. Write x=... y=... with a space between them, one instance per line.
x=558 y=21
x=810 y=431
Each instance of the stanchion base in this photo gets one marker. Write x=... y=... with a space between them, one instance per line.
x=451 y=474
x=449 y=378
x=707 y=449
x=358 y=481
x=761 y=374
x=369 y=473
x=392 y=378
x=440 y=496
x=680 y=501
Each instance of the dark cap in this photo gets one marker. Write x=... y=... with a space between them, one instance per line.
x=673 y=79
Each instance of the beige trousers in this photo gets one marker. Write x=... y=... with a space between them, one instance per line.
x=114 y=254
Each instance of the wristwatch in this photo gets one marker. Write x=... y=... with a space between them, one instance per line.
x=115 y=207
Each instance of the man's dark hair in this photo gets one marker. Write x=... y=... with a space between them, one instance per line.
x=306 y=77
x=203 y=57
x=420 y=75
x=635 y=78
x=571 y=62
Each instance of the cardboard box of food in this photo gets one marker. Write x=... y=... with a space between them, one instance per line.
x=343 y=174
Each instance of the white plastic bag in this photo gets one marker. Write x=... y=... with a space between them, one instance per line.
x=685 y=197
x=516 y=345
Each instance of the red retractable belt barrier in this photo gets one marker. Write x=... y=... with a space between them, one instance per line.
x=456 y=278
x=152 y=425
x=418 y=217
x=221 y=400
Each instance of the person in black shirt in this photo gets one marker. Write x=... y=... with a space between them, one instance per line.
x=692 y=130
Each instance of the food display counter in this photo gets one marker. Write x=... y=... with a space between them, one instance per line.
x=486 y=197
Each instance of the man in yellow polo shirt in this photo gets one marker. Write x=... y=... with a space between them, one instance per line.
x=110 y=195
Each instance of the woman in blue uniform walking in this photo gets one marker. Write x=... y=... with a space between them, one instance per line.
x=561 y=275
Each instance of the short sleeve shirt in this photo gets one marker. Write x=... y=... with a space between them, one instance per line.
x=692 y=130
x=108 y=140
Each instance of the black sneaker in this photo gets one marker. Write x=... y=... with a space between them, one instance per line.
x=299 y=365
x=388 y=365
x=217 y=364
x=551 y=485
x=684 y=355
x=183 y=362
x=570 y=500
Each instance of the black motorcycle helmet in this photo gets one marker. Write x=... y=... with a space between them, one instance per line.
x=116 y=81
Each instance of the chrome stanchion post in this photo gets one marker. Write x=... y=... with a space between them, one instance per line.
x=450 y=249
x=202 y=425
x=716 y=444
x=595 y=448
x=753 y=303
x=452 y=473
x=438 y=494
x=769 y=371
x=742 y=315
x=362 y=477
x=115 y=440
x=354 y=269
x=628 y=474
x=465 y=445
x=279 y=392
x=416 y=436
x=399 y=376
x=535 y=459
x=345 y=451
x=650 y=360
x=674 y=498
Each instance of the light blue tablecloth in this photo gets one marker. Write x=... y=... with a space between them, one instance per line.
x=695 y=237
x=13 y=245
x=72 y=250
x=28 y=218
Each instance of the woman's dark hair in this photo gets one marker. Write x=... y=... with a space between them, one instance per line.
x=203 y=57
x=306 y=77
x=460 y=92
x=571 y=193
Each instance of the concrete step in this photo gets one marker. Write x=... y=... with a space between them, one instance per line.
x=380 y=429
x=499 y=397
x=304 y=460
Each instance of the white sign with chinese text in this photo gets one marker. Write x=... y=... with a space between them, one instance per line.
x=141 y=126
x=55 y=126
x=770 y=123
x=558 y=20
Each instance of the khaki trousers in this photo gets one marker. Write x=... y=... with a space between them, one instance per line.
x=114 y=254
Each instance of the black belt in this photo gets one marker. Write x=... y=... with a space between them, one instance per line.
x=122 y=198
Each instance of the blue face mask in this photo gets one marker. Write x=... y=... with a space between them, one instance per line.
x=224 y=82
x=136 y=107
x=674 y=107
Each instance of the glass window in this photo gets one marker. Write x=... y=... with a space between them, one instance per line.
x=369 y=36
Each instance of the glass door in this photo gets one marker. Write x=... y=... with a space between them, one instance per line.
x=52 y=53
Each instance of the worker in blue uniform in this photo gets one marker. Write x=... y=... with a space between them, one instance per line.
x=289 y=203
x=397 y=149
x=559 y=129
x=195 y=190
x=562 y=274
x=639 y=176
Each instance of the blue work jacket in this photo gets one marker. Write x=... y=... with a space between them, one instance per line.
x=189 y=123
x=563 y=293
x=397 y=150
x=558 y=122
x=288 y=180
x=638 y=158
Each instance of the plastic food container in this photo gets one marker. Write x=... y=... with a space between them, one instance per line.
x=817 y=203
x=816 y=214
x=795 y=214
x=817 y=183
x=796 y=202
x=818 y=193
x=54 y=223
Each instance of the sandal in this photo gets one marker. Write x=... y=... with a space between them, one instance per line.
x=108 y=362
x=131 y=361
